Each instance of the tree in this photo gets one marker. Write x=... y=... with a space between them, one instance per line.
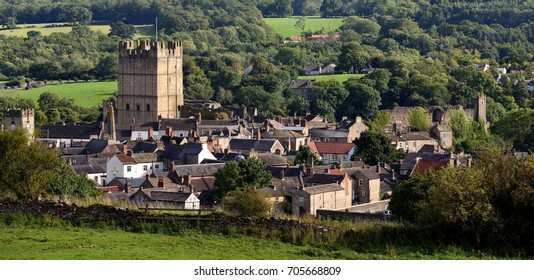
x=30 y=169
x=459 y=123
x=331 y=8
x=362 y=100
x=122 y=30
x=72 y=184
x=9 y=23
x=418 y=119
x=245 y=174
x=305 y=155
x=246 y=203
x=374 y=147
x=379 y=122
x=301 y=23
x=353 y=57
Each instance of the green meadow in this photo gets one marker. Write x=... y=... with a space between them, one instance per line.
x=27 y=237
x=85 y=94
x=49 y=28
x=286 y=26
x=336 y=77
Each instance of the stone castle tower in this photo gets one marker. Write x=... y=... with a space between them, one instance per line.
x=20 y=117
x=150 y=82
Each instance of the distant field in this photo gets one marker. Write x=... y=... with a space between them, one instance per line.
x=337 y=77
x=286 y=26
x=22 y=29
x=84 y=94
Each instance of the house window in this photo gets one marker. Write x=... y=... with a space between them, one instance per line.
x=145 y=168
x=331 y=196
x=156 y=166
x=317 y=139
x=334 y=156
x=95 y=178
x=128 y=168
x=148 y=107
x=363 y=193
x=301 y=199
x=360 y=182
x=138 y=107
x=326 y=140
x=127 y=107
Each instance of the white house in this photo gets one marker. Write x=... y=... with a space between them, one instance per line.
x=333 y=152
x=135 y=166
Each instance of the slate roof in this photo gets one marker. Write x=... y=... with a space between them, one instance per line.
x=271 y=159
x=368 y=173
x=427 y=148
x=411 y=158
x=351 y=164
x=204 y=183
x=75 y=131
x=270 y=192
x=325 y=178
x=312 y=67
x=414 y=136
x=229 y=156
x=298 y=84
x=145 y=147
x=285 y=133
x=264 y=145
x=178 y=152
x=333 y=147
x=198 y=169
x=332 y=133
x=346 y=124
x=323 y=189
x=145 y=158
x=179 y=124
x=291 y=171
x=90 y=168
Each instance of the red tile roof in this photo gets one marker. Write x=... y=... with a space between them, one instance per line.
x=333 y=147
x=126 y=159
x=424 y=165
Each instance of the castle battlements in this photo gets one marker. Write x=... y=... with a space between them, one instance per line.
x=19 y=113
x=145 y=48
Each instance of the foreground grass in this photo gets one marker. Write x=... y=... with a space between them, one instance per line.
x=43 y=238
x=286 y=26
x=85 y=94
x=337 y=77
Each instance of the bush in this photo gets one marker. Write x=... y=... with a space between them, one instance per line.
x=246 y=203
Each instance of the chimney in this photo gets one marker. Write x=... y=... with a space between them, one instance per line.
x=188 y=179
x=161 y=183
x=125 y=149
x=112 y=135
x=266 y=124
x=128 y=186
x=469 y=161
x=278 y=119
x=282 y=174
x=258 y=134
x=169 y=131
x=358 y=119
x=378 y=168
x=150 y=134
x=198 y=117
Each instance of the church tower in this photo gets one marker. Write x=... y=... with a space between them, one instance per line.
x=150 y=82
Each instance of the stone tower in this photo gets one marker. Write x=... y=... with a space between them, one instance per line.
x=150 y=82
x=20 y=117
x=480 y=109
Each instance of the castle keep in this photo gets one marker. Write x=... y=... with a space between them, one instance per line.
x=150 y=82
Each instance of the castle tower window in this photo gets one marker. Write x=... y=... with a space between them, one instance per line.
x=138 y=107
x=148 y=107
x=127 y=107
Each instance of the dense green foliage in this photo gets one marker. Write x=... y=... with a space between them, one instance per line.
x=373 y=148
x=305 y=155
x=489 y=204
x=35 y=171
x=246 y=203
x=245 y=174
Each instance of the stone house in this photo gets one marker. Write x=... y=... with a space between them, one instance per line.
x=307 y=200
x=246 y=146
x=366 y=188
x=410 y=142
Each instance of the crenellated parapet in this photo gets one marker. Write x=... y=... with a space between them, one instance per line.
x=145 y=48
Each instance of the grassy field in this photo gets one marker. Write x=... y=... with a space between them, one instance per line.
x=27 y=237
x=286 y=26
x=337 y=77
x=85 y=94
x=48 y=28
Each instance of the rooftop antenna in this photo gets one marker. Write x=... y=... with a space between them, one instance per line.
x=156 y=29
